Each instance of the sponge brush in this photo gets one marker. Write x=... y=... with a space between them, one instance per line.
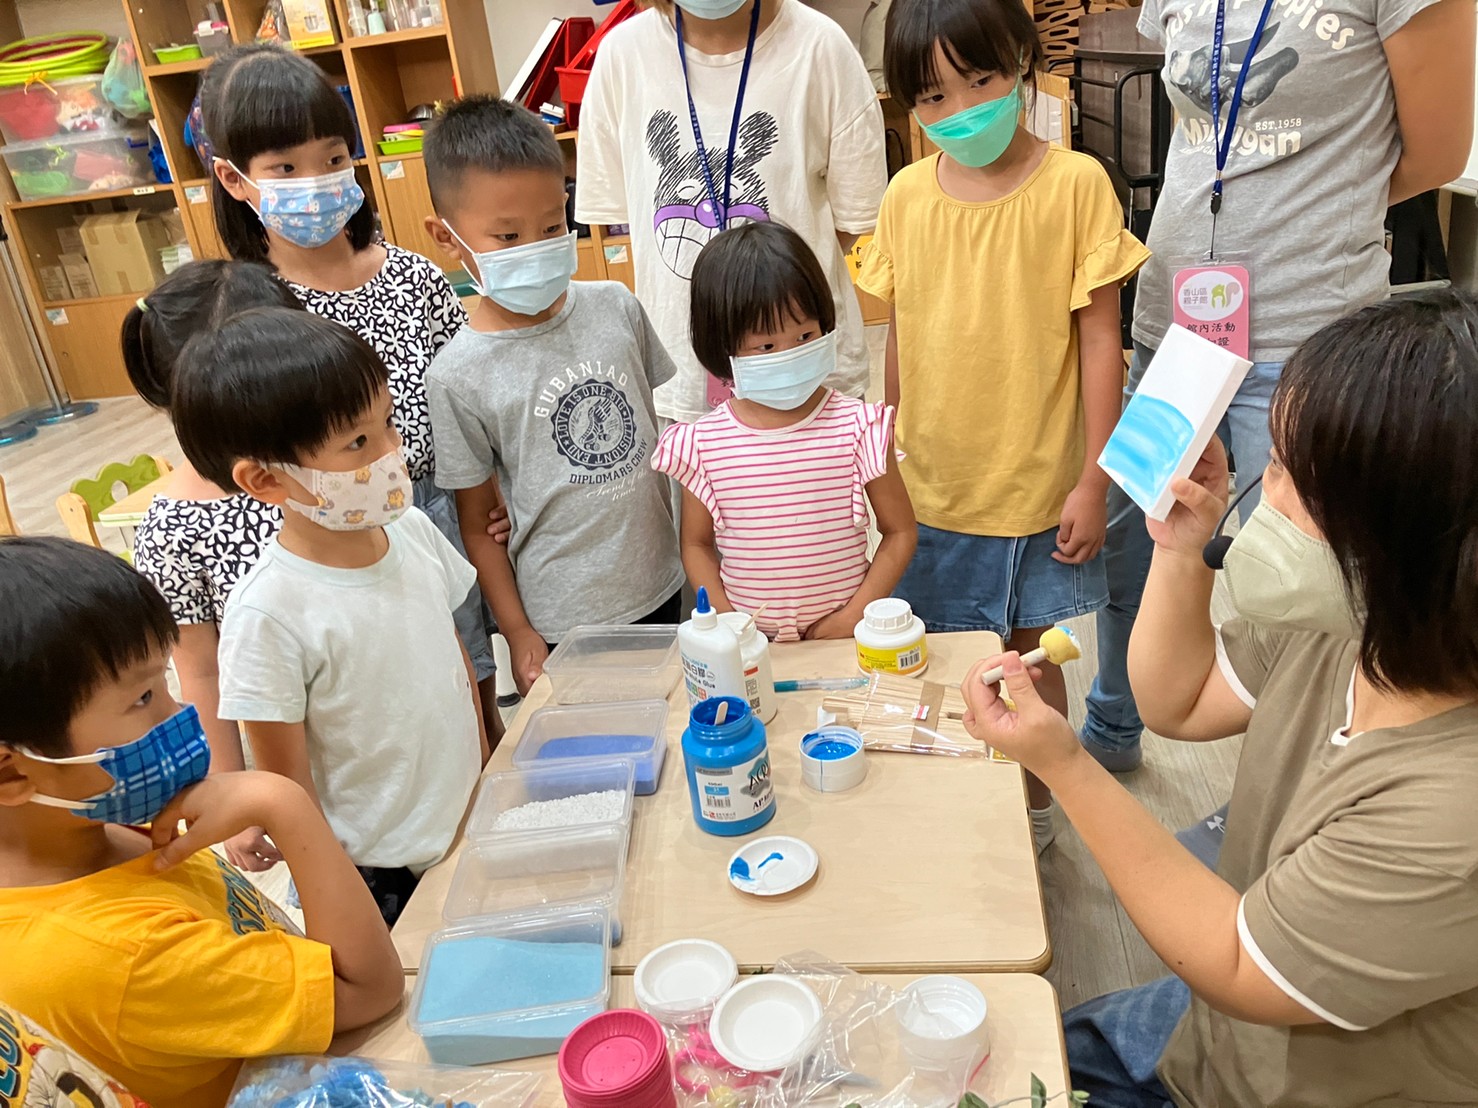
x=1057 y=645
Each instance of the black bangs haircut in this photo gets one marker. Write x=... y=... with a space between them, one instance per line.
x=258 y=98
x=269 y=385
x=490 y=134
x=984 y=36
x=72 y=618
x=753 y=278
x=1375 y=420
x=193 y=299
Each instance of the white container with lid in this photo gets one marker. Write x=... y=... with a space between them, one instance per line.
x=890 y=639
x=754 y=653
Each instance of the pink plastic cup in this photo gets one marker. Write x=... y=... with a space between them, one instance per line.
x=617 y=1058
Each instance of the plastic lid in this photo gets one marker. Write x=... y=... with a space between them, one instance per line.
x=611 y=1053
x=764 y=1024
x=888 y=614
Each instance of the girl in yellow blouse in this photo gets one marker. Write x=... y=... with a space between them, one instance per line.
x=1002 y=257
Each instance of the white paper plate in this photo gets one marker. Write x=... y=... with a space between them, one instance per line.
x=772 y=865
x=766 y=1023
x=684 y=978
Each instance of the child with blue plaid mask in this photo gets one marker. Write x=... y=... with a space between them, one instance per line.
x=129 y=936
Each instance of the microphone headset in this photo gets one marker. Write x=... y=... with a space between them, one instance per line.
x=1214 y=554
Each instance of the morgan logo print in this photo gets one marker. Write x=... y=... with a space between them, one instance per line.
x=594 y=426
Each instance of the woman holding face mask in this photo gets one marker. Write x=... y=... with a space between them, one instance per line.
x=1330 y=960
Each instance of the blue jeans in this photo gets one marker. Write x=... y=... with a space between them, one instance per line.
x=1113 y=718
x=1115 y=1042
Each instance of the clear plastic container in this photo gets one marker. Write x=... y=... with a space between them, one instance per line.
x=561 y=784
x=636 y=729
x=65 y=106
x=67 y=165
x=524 y=872
x=511 y=986
x=595 y=665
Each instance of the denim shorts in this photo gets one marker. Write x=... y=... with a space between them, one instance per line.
x=960 y=582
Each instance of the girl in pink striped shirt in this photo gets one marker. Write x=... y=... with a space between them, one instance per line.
x=776 y=481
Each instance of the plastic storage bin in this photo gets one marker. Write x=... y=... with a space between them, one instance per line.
x=511 y=986
x=558 y=784
x=67 y=105
x=67 y=165
x=596 y=665
x=522 y=873
x=636 y=729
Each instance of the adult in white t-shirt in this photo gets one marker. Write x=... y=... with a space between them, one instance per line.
x=808 y=153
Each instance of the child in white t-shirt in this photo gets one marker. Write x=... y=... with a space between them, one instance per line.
x=338 y=649
x=789 y=122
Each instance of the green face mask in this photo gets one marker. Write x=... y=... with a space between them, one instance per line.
x=978 y=136
x=1279 y=576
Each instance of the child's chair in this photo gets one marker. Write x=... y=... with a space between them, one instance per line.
x=89 y=497
x=7 y=521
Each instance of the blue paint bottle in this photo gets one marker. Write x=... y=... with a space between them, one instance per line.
x=728 y=768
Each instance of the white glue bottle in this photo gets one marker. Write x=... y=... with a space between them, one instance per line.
x=759 y=677
x=713 y=664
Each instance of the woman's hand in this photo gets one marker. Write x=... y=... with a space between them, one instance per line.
x=1029 y=732
x=1199 y=502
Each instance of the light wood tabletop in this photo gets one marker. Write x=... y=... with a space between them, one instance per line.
x=927 y=866
x=1022 y=1020
x=129 y=512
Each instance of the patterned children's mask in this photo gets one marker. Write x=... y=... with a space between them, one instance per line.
x=356 y=499
x=147 y=773
x=307 y=211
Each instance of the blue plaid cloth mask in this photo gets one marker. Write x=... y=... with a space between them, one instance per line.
x=147 y=773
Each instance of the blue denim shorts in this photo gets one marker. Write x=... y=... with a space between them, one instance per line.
x=960 y=582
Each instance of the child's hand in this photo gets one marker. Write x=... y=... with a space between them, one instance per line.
x=839 y=625
x=499 y=525
x=527 y=651
x=252 y=851
x=223 y=806
x=1032 y=734
x=1084 y=524
x=1199 y=502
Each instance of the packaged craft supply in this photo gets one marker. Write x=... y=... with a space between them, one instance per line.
x=302 y=1081
x=754 y=654
x=727 y=760
x=713 y=664
x=890 y=639
x=906 y=716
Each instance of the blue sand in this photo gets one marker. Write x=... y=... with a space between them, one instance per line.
x=1151 y=437
x=830 y=750
x=484 y=976
x=740 y=868
x=609 y=746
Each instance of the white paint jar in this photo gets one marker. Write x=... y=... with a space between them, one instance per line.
x=890 y=639
x=759 y=676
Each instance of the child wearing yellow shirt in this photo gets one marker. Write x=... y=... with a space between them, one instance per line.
x=150 y=956
x=1002 y=258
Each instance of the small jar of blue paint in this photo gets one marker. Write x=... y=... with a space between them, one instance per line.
x=728 y=767
x=832 y=759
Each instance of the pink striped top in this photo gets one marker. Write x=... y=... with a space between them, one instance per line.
x=788 y=506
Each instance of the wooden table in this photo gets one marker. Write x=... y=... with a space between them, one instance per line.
x=1022 y=1018
x=129 y=512
x=927 y=866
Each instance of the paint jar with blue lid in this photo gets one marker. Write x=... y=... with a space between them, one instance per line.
x=728 y=762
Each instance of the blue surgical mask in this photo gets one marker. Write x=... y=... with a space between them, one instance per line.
x=712 y=9
x=786 y=379
x=307 y=211
x=524 y=279
x=978 y=136
x=147 y=773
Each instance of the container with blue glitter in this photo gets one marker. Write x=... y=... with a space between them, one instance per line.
x=833 y=759
x=636 y=730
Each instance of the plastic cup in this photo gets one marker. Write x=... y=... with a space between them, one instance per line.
x=941 y=1022
x=617 y=1058
x=680 y=982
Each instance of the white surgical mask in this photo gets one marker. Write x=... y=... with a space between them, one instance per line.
x=1282 y=577
x=712 y=9
x=356 y=499
x=524 y=279
x=785 y=379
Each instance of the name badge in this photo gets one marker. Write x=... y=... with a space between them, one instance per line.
x=1211 y=301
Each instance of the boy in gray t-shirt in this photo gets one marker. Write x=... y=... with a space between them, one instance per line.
x=547 y=393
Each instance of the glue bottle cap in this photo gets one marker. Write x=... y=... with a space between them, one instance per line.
x=888 y=614
x=704 y=616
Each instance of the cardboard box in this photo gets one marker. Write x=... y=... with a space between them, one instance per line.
x=79 y=276
x=54 y=284
x=123 y=251
x=71 y=239
x=309 y=23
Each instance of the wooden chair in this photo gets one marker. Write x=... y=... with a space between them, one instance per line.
x=80 y=506
x=7 y=520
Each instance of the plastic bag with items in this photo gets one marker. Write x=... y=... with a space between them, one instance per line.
x=308 y=1082
x=906 y=715
x=123 y=82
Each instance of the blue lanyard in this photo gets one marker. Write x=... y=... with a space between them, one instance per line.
x=721 y=204
x=1224 y=142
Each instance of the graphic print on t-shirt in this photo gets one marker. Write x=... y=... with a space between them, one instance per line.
x=593 y=424
x=684 y=218
x=1191 y=73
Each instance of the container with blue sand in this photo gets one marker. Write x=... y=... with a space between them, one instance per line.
x=633 y=729
x=511 y=986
